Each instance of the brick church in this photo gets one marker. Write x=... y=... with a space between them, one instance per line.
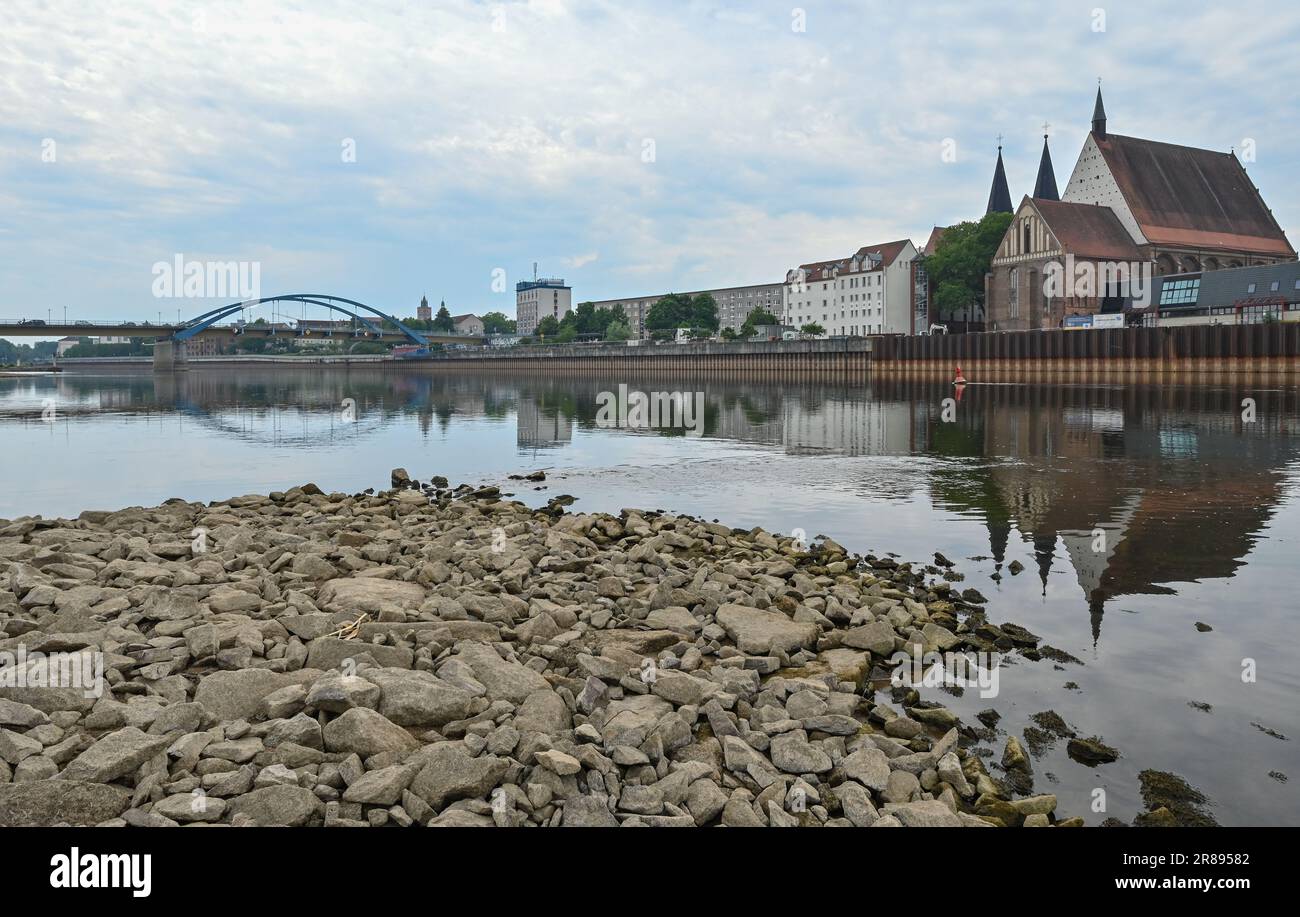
x=1129 y=204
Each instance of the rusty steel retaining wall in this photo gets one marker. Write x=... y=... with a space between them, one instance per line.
x=1086 y=354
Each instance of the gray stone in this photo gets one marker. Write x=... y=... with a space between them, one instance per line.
x=115 y=755
x=46 y=803
x=367 y=732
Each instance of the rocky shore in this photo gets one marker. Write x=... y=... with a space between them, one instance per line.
x=444 y=657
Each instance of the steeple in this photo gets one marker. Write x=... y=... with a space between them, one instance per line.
x=1045 y=187
x=999 y=196
x=1099 y=115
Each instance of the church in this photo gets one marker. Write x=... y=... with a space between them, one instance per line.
x=1131 y=208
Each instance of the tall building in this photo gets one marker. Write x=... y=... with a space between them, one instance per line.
x=538 y=298
x=423 y=312
x=868 y=292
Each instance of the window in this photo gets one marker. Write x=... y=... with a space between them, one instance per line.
x=1250 y=288
x=1180 y=292
x=1273 y=287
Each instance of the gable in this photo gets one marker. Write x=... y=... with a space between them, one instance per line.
x=1092 y=182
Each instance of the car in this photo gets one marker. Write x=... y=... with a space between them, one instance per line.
x=82 y=321
x=32 y=321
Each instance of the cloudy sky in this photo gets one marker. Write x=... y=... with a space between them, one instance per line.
x=386 y=150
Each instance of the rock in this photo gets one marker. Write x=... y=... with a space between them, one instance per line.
x=451 y=773
x=925 y=814
x=414 y=698
x=1091 y=751
x=558 y=761
x=543 y=711
x=47 y=803
x=238 y=695
x=504 y=680
x=362 y=594
x=190 y=807
x=367 y=732
x=337 y=693
x=275 y=806
x=114 y=756
x=588 y=812
x=877 y=638
x=759 y=631
x=792 y=753
x=382 y=787
x=869 y=766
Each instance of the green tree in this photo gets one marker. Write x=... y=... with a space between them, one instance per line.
x=442 y=321
x=754 y=319
x=681 y=310
x=618 y=331
x=812 y=328
x=548 y=327
x=499 y=323
x=965 y=254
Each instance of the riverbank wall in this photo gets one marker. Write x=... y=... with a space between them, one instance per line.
x=1184 y=353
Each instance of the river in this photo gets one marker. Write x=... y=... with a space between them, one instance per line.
x=1136 y=511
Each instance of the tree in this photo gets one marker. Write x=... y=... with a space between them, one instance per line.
x=548 y=327
x=681 y=310
x=442 y=321
x=754 y=319
x=499 y=323
x=618 y=331
x=729 y=334
x=965 y=254
x=813 y=329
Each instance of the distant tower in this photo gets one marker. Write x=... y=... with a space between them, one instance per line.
x=1045 y=186
x=424 y=313
x=999 y=196
x=1099 y=115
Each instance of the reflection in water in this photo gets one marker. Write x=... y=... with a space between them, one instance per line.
x=1161 y=502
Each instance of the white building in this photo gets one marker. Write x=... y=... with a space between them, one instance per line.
x=536 y=299
x=869 y=292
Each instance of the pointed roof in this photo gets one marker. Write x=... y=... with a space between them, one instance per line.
x=1045 y=186
x=999 y=195
x=1181 y=195
x=932 y=244
x=1099 y=116
x=1087 y=230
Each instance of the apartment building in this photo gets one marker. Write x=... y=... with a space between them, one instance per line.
x=734 y=305
x=868 y=292
x=536 y=299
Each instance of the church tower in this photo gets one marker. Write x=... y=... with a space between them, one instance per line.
x=999 y=196
x=1099 y=117
x=1045 y=186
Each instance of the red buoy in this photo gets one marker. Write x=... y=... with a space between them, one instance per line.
x=960 y=380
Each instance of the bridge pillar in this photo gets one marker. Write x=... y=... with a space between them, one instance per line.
x=169 y=356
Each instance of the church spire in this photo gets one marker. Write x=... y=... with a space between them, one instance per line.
x=1045 y=187
x=999 y=196
x=1099 y=115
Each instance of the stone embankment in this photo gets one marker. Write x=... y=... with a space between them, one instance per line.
x=440 y=657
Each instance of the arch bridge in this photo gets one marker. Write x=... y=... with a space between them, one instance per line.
x=171 y=351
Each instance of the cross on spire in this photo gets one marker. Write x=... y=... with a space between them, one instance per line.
x=1046 y=128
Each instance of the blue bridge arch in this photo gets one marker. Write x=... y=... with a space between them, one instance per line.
x=207 y=319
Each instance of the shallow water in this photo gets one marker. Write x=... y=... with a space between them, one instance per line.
x=1196 y=508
